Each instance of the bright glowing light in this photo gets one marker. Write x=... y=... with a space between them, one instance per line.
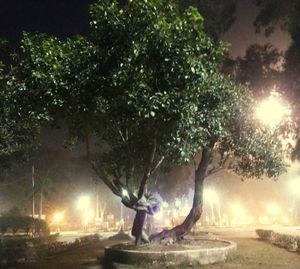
x=237 y=210
x=272 y=110
x=165 y=205
x=177 y=203
x=264 y=220
x=159 y=215
x=83 y=202
x=239 y=216
x=168 y=223
x=248 y=220
x=58 y=217
x=184 y=211
x=285 y=220
x=88 y=217
x=273 y=209
x=175 y=214
x=211 y=196
x=125 y=193
x=295 y=186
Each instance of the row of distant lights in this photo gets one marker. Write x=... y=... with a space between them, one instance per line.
x=210 y=196
x=83 y=204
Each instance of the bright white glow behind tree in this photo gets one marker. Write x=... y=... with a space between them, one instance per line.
x=272 y=110
x=83 y=202
x=210 y=196
x=295 y=186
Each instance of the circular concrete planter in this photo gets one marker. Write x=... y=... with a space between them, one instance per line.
x=189 y=253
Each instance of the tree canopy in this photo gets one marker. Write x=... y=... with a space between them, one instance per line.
x=286 y=15
x=60 y=75
x=260 y=69
x=147 y=85
x=17 y=136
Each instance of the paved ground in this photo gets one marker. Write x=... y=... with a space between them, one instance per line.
x=251 y=254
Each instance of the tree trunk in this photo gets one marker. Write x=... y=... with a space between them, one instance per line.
x=137 y=228
x=178 y=232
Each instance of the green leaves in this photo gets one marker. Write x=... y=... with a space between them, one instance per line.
x=60 y=81
x=17 y=135
x=147 y=81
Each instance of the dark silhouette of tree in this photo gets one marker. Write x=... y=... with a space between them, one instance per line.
x=218 y=15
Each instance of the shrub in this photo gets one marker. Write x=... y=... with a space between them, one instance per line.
x=23 y=223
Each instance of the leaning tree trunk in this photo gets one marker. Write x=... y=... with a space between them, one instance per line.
x=140 y=217
x=178 y=232
x=137 y=228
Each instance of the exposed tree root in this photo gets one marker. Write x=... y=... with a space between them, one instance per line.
x=178 y=232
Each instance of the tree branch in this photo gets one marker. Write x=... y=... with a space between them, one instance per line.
x=214 y=171
x=157 y=165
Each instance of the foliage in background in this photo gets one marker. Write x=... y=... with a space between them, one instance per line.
x=218 y=15
x=17 y=132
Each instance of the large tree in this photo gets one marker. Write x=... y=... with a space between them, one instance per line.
x=155 y=99
x=171 y=101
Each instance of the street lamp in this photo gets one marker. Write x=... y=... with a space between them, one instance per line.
x=272 y=110
x=84 y=202
x=58 y=218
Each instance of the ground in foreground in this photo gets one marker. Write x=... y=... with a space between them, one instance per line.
x=251 y=254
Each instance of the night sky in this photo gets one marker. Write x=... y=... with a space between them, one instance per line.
x=64 y=18
x=56 y=17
